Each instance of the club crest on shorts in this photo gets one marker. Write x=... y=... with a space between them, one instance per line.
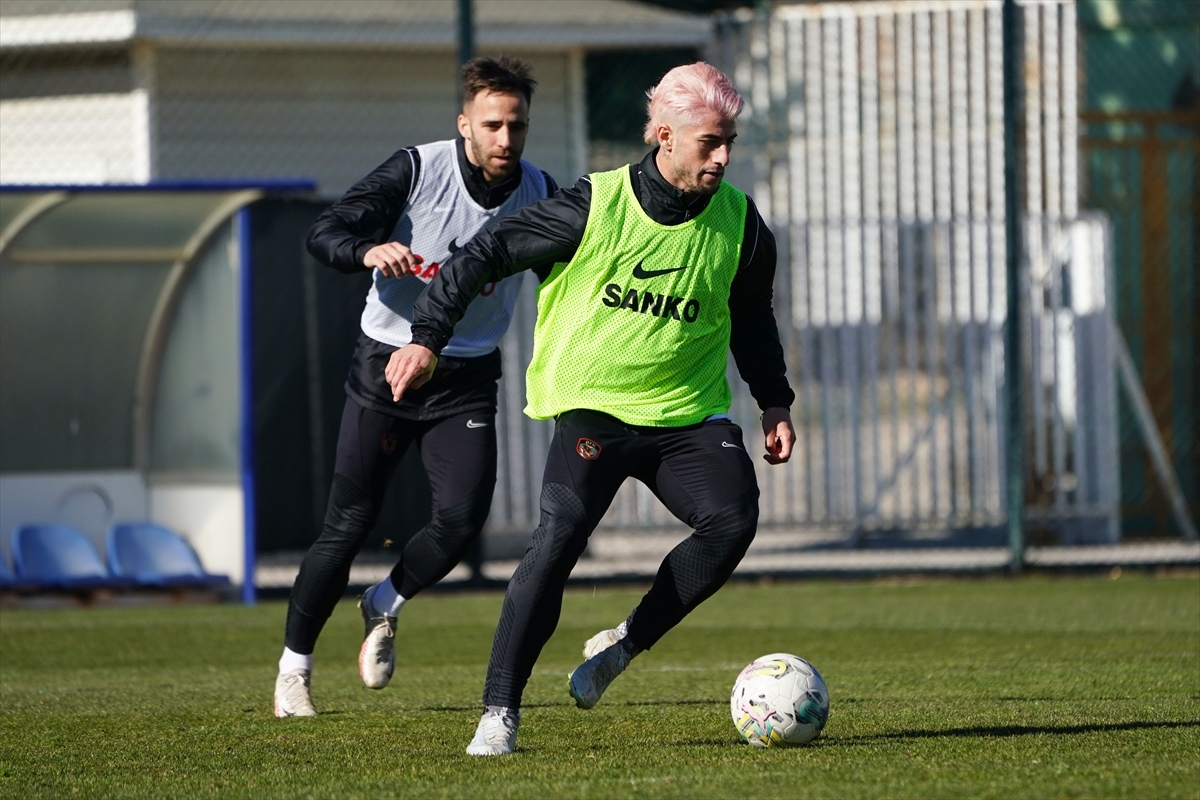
x=588 y=449
x=388 y=444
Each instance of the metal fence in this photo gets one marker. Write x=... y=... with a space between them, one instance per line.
x=1140 y=138
x=900 y=391
x=874 y=147
x=1140 y=167
x=881 y=116
x=873 y=143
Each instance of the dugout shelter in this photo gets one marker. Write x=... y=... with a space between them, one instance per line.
x=170 y=353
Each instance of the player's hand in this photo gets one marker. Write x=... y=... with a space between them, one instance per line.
x=410 y=367
x=393 y=260
x=780 y=435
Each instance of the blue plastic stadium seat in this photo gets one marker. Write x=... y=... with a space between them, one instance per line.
x=53 y=555
x=152 y=555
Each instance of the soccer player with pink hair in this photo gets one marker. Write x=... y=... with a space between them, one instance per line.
x=650 y=275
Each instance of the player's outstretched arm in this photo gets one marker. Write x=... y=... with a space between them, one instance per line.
x=780 y=435
x=532 y=238
x=410 y=367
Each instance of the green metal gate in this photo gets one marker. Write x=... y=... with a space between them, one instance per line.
x=1141 y=170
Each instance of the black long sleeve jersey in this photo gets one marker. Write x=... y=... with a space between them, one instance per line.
x=367 y=213
x=549 y=231
x=366 y=216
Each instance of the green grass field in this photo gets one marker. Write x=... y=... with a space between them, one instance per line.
x=1039 y=687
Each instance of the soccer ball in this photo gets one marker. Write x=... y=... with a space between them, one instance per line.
x=779 y=700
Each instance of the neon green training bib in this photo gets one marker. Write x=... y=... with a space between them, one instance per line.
x=636 y=325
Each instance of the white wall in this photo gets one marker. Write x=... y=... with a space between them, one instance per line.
x=89 y=501
x=330 y=115
x=237 y=113
x=88 y=139
x=210 y=517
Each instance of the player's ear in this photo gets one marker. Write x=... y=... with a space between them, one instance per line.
x=664 y=136
x=464 y=126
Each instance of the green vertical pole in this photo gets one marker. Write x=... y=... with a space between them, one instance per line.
x=1010 y=19
x=466 y=51
x=466 y=33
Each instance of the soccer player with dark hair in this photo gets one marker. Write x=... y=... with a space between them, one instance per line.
x=650 y=275
x=402 y=222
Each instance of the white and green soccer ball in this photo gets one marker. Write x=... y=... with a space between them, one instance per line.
x=779 y=700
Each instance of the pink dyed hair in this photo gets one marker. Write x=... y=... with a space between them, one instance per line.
x=687 y=91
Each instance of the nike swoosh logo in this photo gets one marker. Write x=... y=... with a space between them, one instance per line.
x=453 y=246
x=473 y=424
x=642 y=274
x=734 y=446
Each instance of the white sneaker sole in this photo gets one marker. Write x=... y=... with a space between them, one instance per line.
x=279 y=712
x=487 y=750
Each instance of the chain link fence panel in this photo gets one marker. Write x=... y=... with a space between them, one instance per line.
x=1140 y=138
x=871 y=142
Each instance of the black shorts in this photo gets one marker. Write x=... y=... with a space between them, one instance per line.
x=458 y=386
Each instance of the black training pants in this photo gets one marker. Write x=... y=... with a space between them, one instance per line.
x=459 y=455
x=701 y=473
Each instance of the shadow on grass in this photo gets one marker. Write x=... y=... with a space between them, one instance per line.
x=478 y=708
x=730 y=742
x=571 y=704
x=674 y=703
x=709 y=742
x=1002 y=731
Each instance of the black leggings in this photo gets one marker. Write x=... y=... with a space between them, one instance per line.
x=701 y=473
x=459 y=455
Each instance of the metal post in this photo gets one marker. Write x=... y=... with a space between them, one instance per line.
x=466 y=34
x=250 y=511
x=1012 y=345
x=466 y=51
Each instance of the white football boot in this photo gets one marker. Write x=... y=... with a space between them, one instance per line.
x=377 y=656
x=293 y=697
x=496 y=734
x=589 y=680
x=604 y=640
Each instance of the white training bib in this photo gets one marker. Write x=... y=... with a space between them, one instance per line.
x=440 y=217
